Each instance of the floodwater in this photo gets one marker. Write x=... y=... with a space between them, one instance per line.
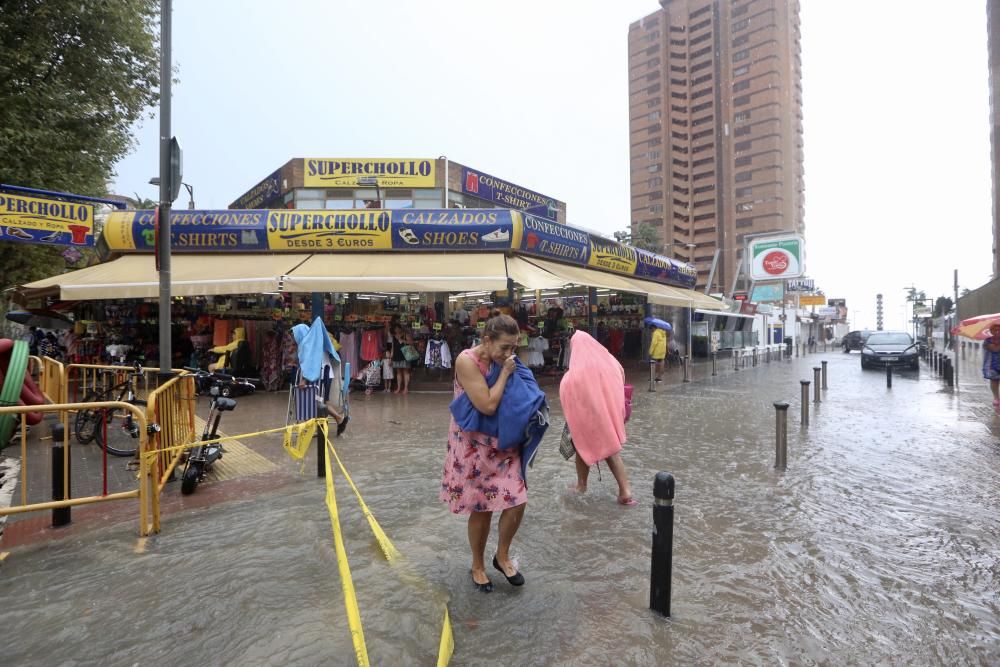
x=879 y=544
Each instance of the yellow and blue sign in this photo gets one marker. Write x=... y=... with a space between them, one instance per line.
x=303 y=231
x=552 y=240
x=45 y=221
x=344 y=172
x=612 y=256
x=452 y=229
x=417 y=230
x=508 y=195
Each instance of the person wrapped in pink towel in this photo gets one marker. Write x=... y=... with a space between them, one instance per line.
x=592 y=393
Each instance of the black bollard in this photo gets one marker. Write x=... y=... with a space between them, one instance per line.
x=61 y=469
x=805 y=402
x=652 y=381
x=687 y=364
x=888 y=376
x=816 y=383
x=949 y=373
x=940 y=365
x=736 y=360
x=320 y=453
x=663 y=543
x=780 y=435
x=714 y=355
x=824 y=374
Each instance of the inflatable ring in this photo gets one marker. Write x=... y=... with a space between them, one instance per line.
x=10 y=394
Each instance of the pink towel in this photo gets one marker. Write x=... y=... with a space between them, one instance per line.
x=593 y=399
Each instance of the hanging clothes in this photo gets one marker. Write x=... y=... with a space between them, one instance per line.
x=371 y=345
x=349 y=348
x=536 y=348
x=438 y=354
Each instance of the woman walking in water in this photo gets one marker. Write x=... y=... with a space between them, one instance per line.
x=480 y=479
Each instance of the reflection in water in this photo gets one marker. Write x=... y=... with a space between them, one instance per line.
x=878 y=544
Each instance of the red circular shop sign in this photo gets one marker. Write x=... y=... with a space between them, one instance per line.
x=775 y=262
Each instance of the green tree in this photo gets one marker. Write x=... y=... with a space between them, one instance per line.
x=646 y=237
x=942 y=306
x=74 y=78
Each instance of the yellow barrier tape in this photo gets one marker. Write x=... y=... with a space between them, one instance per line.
x=388 y=549
x=304 y=433
x=153 y=453
x=447 y=647
x=350 y=599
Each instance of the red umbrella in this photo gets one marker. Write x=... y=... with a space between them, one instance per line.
x=977 y=328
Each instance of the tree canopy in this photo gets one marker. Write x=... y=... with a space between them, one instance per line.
x=74 y=78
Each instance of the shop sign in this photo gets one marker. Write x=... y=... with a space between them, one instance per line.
x=45 y=221
x=612 y=256
x=651 y=266
x=261 y=195
x=304 y=230
x=190 y=231
x=452 y=229
x=553 y=241
x=801 y=285
x=812 y=300
x=748 y=308
x=765 y=293
x=840 y=303
x=829 y=312
x=776 y=258
x=344 y=172
x=508 y=195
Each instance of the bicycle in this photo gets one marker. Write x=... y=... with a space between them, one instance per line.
x=117 y=433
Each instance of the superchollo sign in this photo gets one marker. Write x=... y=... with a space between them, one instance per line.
x=396 y=230
x=26 y=219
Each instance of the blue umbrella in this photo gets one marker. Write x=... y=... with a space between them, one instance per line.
x=658 y=323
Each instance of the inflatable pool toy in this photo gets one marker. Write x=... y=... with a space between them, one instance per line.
x=16 y=386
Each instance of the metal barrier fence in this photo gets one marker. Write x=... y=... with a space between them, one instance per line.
x=82 y=378
x=172 y=406
x=51 y=380
x=144 y=487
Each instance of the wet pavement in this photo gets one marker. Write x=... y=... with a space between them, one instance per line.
x=878 y=544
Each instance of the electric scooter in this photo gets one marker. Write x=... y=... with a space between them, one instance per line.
x=202 y=457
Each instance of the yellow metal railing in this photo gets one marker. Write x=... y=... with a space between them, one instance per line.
x=144 y=491
x=172 y=407
x=79 y=379
x=51 y=380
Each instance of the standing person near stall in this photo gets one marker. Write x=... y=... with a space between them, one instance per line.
x=479 y=478
x=400 y=364
x=592 y=393
x=270 y=361
x=658 y=350
x=319 y=364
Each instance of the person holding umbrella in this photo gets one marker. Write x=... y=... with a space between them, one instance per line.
x=658 y=344
x=991 y=361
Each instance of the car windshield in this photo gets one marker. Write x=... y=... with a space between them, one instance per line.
x=889 y=339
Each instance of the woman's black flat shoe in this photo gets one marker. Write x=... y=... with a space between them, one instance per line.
x=483 y=588
x=516 y=580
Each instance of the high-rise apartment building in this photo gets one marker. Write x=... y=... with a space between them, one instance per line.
x=715 y=127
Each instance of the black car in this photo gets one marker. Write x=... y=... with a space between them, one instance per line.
x=854 y=340
x=890 y=348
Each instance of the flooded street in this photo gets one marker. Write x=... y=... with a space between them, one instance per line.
x=880 y=543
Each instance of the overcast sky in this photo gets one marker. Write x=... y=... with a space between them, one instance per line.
x=896 y=115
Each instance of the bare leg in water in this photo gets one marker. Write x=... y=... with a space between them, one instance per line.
x=617 y=468
x=510 y=521
x=479 y=532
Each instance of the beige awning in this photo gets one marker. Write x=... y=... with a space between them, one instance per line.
x=135 y=277
x=707 y=302
x=399 y=272
x=578 y=275
x=530 y=276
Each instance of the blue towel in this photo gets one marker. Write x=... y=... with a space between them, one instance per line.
x=313 y=341
x=520 y=420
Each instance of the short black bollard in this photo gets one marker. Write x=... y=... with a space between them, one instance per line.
x=816 y=383
x=687 y=368
x=949 y=372
x=663 y=543
x=888 y=376
x=824 y=374
x=61 y=471
x=652 y=381
x=805 y=402
x=736 y=360
x=940 y=365
x=320 y=452
x=780 y=435
x=714 y=355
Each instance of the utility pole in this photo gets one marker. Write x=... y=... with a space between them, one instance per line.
x=166 y=186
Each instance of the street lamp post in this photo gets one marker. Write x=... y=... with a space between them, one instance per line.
x=155 y=180
x=163 y=252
